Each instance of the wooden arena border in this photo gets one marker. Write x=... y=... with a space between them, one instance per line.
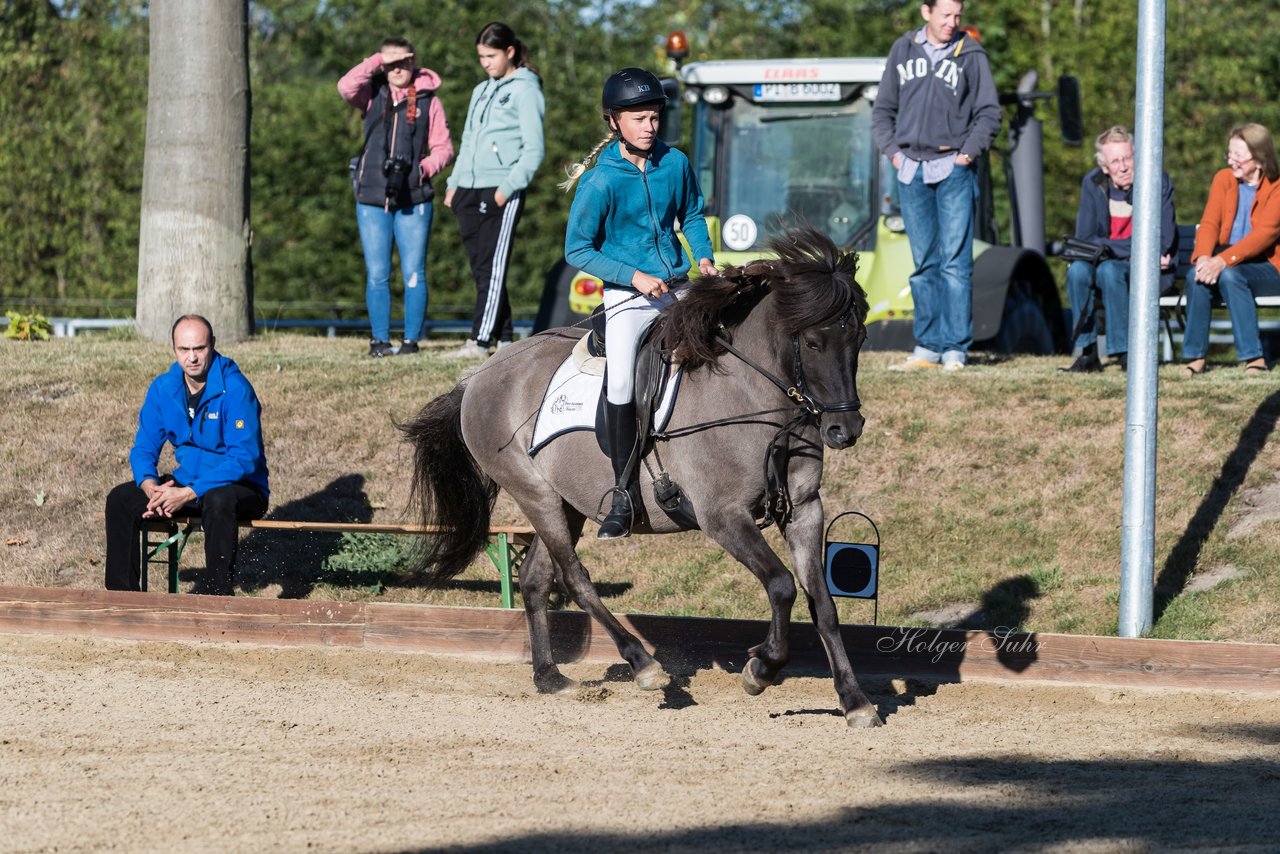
x=679 y=642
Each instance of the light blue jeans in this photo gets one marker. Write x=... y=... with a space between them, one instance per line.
x=939 y=220
x=409 y=229
x=1112 y=278
x=1238 y=286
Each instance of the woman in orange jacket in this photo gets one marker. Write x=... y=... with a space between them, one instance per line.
x=1237 y=249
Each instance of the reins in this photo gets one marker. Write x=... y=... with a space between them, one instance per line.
x=808 y=408
x=799 y=391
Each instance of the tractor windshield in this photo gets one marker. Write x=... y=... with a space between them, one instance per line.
x=766 y=167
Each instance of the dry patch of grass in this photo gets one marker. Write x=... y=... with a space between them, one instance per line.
x=997 y=491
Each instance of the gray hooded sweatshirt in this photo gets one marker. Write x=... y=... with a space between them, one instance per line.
x=929 y=110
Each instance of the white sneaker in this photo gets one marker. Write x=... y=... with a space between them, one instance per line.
x=953 y=366
x=914 y=363
x=469 y=350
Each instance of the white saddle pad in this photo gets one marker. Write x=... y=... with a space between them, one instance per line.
x=573 y=395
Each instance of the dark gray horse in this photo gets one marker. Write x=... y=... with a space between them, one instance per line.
x=770 y=353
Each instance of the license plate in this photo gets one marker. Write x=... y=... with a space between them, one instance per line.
x=797 y=92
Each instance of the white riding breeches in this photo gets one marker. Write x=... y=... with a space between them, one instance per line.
x=627 y=315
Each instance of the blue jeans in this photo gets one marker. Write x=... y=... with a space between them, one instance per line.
x=1112 y=278
x=1238 y=286
x=939 y=220
x=409 y=228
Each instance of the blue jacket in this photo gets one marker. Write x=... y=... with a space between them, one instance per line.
x=222 y=446
x=623 y=219
x=1093 y=220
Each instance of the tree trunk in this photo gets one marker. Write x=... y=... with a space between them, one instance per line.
x=193 y=246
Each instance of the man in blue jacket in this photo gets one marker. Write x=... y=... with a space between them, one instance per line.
x=206 y=409
x=1105 y=219
x=936 y=112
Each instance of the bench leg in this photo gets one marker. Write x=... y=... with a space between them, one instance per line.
x=506 y=555
x=500 y=554
x=173 y=545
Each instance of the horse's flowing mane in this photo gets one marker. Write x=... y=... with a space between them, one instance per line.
x=812 y=281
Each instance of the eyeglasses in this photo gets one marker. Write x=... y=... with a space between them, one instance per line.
x=1239 y=161
x=1118 y=162
x=405 y=64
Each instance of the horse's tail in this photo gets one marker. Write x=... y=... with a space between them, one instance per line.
x=449 y=488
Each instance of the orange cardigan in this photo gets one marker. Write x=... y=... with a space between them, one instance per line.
x=1262 y=242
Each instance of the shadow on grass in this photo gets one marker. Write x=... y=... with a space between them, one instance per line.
x=987 y=804
x=1005 y=606
x=1182 y=560
x=296 y=560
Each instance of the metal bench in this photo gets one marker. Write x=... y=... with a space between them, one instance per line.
x=508 y=547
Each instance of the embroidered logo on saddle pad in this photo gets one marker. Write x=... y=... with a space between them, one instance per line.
x=572 y=399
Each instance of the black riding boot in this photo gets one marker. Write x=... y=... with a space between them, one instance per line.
x=620 y=422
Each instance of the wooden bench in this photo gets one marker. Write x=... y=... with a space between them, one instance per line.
x=507 y=549
x=1173 y=304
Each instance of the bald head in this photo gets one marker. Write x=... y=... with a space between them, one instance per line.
x=193 y=348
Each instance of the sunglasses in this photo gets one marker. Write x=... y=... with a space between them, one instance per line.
x=405 y=64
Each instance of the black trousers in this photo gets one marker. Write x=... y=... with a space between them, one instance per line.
x=487 y=233
x=219 y=511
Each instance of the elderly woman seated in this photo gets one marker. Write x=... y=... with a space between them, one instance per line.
x=1237 y=249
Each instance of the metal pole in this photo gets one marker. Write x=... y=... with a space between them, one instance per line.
x=1137 y=548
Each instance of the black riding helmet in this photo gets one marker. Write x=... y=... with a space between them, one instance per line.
x=630 y=87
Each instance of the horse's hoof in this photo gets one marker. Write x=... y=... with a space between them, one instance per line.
x=555 y=683
x=752 y=683
x=863 y=717
x=652 y=677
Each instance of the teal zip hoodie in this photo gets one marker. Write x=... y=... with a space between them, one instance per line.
x=623 y=220
x=502 y=141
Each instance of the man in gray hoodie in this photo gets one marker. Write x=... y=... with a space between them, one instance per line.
x=936 y=112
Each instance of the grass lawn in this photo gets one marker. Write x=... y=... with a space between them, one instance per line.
x=997 y=490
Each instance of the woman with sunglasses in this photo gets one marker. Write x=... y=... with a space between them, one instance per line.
x=406 y=143
x=1237 y=249
x=501 y=148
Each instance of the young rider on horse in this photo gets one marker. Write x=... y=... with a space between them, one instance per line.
x=622 y=230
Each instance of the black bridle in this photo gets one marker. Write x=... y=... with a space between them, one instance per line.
x=798 y=390
x=777 y=503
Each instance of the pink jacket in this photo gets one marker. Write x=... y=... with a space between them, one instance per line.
x=356 y=89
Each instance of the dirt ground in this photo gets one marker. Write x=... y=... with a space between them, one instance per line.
x=109 y=745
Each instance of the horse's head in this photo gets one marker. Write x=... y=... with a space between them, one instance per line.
x=814 y=321
x=821 y=311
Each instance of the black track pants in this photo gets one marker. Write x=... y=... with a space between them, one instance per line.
x=487 y=233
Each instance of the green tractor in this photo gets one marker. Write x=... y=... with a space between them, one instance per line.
x=782 y=142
